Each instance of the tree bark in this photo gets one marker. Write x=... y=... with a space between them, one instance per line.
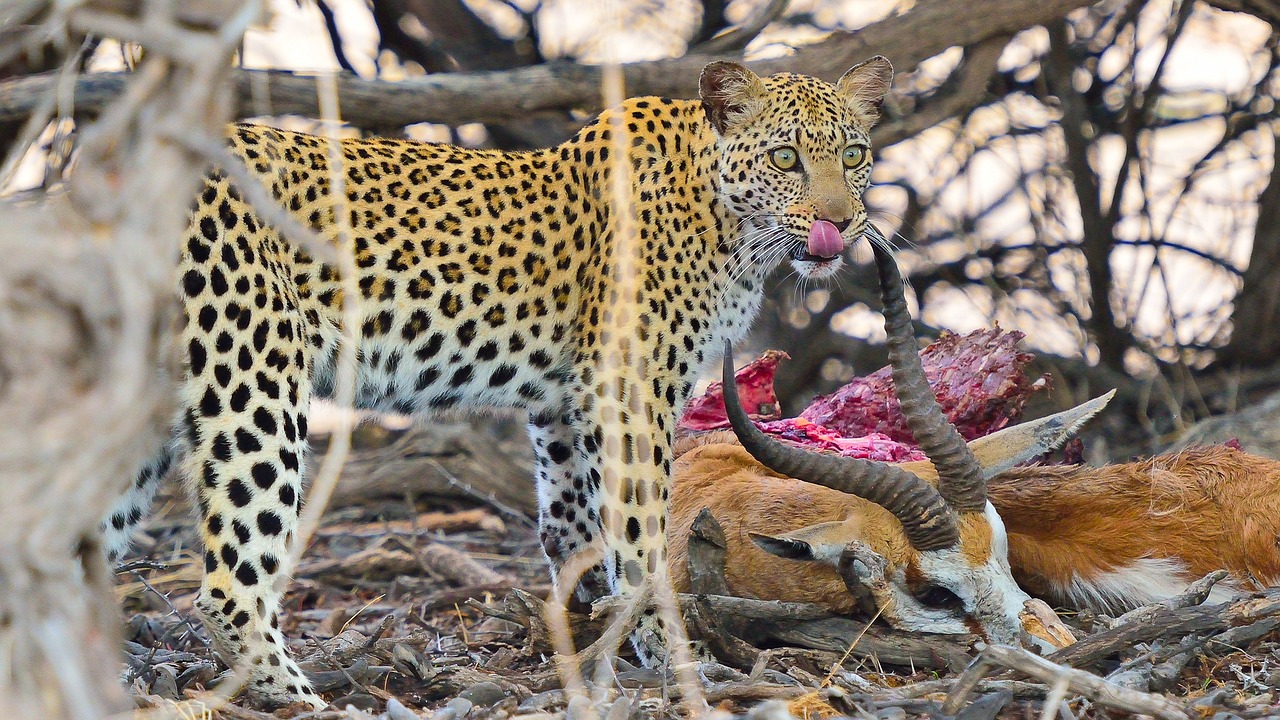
x=1096 y=244
x=87 y=310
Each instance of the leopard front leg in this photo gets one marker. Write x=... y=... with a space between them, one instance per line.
x=627 y=439
x=246 y=426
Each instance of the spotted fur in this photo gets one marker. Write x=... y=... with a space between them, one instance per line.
x=487 y=279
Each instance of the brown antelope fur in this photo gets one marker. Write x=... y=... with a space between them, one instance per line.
x=744 y=497
x=1081 y=535
x=1107 y=537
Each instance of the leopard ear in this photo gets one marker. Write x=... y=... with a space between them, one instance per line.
x=731 y=95
x=865 y=86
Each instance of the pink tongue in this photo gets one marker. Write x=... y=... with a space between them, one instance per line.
x=825 y=240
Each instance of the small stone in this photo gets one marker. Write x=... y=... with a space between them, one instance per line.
x=359 y=701
x=484 y=694
x=778 y=678
x=891 y=713
x=198 y=674
x=542 y=702
x=445 y=713
x=409 y=661
x=166 y=682
x=580 y=707
x=642 y=678
x=460 y=706
x=986 y=707
x=621 y=709
x=711 y=672
x=397 y=711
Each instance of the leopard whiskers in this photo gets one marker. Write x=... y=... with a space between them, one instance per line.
x=758 y=248
x=873 y=235
x=771 y=255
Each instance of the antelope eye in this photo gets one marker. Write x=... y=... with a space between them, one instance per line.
x=936 y=596
x=854 y=156
x=784 y=158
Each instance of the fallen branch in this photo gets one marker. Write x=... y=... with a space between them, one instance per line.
x=458 y=567
x=372 y=563
x=428 y=522
x=1079 y=682
x=432 y=460
x=555 y=88
x=1162 y=621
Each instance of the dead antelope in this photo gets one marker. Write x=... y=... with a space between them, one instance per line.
x=935 y=546
x=928 y=556
x=1108 y=538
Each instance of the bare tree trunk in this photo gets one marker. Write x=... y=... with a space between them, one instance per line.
x=87 y=310
x=1255 y=320
x=1112 y=341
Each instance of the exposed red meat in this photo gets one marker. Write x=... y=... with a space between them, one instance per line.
x=755 y=388
x=979 y=380
x=815 y=437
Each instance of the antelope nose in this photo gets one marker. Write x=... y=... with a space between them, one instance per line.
x=840 y=224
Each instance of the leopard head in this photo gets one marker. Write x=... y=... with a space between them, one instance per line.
x=795 y=158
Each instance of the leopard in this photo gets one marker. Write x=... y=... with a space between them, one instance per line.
x=587 y=284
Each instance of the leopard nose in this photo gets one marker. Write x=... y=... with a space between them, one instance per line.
x=840 y=224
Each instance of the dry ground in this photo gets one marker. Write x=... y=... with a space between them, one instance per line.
x=423 y=601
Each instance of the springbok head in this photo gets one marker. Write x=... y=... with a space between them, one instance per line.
x=948 y=571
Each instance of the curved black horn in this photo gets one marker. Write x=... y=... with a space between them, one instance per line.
x=959 y=476
x=928 y=521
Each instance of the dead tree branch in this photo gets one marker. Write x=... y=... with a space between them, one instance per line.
x=556 y=88
x=87 y=312
x=1098 y=690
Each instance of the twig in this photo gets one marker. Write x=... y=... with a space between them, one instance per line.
x=192 y=631
x=1162 y=622
x=1082 y=683
x=1195 y=594
x=739 y=37
x=486 y=498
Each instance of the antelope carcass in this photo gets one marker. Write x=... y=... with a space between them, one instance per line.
x=932 y=556
x=1107 y=538
x=934 y=546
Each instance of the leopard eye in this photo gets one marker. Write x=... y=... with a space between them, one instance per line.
x=854 y=156
x=784 y=158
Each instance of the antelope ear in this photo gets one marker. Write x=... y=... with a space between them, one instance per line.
x=785 y=548
x=731 y=95
x=865 y=86
x=820 y=542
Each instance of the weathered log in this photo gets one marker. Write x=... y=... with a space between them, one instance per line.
x=433 y=459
